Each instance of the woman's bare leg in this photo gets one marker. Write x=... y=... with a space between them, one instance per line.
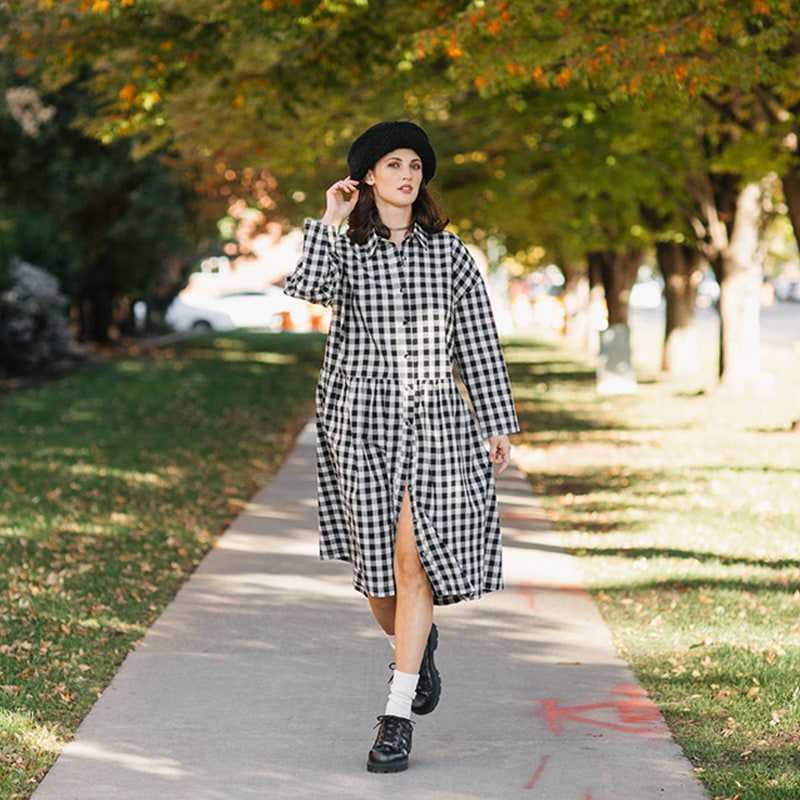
x=414 y=607
x=383 y=609
x=407 y=615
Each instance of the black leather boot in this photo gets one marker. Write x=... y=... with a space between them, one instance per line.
x=392 y=745
x=429 y=686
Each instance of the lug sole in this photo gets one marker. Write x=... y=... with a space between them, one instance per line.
x=399 y=766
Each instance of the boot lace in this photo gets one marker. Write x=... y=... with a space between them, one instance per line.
x=394 y=734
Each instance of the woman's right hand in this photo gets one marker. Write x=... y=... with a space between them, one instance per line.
x=341 y=200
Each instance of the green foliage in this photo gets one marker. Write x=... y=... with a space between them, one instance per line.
x=100 y=220
x=221 y=79
x=7 y=248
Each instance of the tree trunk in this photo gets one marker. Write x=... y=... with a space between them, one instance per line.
x=739 y=271
x=680 y=266
x=577 y=305
x=598 y=311
x=618 y=271
x=96 y=315
x=615 y=374
x=791 y=191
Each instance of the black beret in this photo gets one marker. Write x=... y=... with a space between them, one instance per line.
x=384 y=137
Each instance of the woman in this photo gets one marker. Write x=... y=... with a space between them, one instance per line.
x=406 y=492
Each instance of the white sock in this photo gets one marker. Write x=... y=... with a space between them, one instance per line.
x=402 y=694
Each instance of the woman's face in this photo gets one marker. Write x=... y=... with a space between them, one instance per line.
x=396 y=179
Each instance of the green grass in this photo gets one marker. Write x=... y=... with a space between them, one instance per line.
x=683 y=506
x=113 y=484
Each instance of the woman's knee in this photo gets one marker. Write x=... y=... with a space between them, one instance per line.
x=409 y=572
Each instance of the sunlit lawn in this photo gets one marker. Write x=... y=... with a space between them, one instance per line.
x=684 y=509
x=113 y=484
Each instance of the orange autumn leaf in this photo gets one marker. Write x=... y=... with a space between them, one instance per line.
x=563 y=78
x=540 y=76
x=480 y=82
x=453 y=50
x=127 y=93
x=494 y=27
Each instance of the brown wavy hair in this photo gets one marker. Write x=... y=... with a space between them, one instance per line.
x=365 y=218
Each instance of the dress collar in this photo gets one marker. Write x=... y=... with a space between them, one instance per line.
x=417 y=232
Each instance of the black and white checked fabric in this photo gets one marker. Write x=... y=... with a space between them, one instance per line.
x=389 y=412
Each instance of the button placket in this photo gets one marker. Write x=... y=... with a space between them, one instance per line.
x=407 y=362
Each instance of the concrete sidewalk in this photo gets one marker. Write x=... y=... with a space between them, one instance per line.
x=264 y=677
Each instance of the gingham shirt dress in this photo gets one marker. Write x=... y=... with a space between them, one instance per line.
x=389 y=412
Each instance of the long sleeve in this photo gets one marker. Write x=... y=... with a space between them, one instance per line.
x=480 y=361
x=318 y=272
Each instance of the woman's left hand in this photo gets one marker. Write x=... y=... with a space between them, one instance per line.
x=500 y=452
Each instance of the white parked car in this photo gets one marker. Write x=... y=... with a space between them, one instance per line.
x=269 y=309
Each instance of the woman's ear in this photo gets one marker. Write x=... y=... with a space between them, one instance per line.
x=369 y=178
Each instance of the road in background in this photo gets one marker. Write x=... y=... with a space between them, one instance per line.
x=780 y=323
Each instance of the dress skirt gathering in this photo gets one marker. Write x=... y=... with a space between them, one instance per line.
x=390 y=415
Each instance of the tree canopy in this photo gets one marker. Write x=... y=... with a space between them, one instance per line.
x=285 y=84
x=562 y=127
